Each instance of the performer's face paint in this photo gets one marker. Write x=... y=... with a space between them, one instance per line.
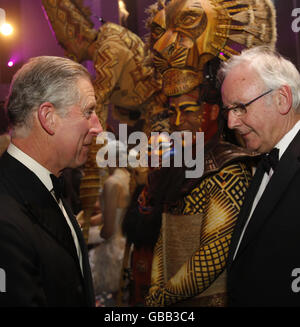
x=188 y=113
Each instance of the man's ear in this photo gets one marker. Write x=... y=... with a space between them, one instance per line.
x=214 y=112
x=284 y=99
x=46 y=116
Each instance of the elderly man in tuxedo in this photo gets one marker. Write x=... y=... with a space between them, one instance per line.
x=42 y=253
x=261 y=98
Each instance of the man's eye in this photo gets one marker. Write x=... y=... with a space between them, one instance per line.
x=236 y=110
x=88 y=113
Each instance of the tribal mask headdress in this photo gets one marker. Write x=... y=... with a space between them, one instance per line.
x=187 y=34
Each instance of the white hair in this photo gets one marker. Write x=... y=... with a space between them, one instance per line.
x=274 y=70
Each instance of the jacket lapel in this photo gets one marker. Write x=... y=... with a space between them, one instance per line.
x=52 y=220
x=85 y=258
x=37 y=201
x=245 y=211
x=78 y=232
x=43 y=210
x=287 y=167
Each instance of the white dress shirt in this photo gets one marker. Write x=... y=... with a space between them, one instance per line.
x=282 y=146
x=44 y=175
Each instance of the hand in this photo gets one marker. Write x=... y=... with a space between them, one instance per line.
x=80 y=218
x=95 y=220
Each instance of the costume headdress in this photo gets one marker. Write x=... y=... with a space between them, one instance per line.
x=186 y=34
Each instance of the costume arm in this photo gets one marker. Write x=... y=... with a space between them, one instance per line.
x=222 y=195
x=72 y=26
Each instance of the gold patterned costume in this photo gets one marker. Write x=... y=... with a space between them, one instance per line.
x=190 y=255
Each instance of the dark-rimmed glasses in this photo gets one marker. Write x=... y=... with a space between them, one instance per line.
x=240 y=109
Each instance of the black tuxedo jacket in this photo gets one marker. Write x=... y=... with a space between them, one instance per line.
x=37 y=251
x=263 y=271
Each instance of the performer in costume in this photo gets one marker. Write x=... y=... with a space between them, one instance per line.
x=187 y=40
x=198 y=214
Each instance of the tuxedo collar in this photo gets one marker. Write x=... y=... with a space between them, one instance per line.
x=40 y=171
x=283 y=144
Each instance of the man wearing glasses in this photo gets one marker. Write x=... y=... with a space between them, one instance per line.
x=261 y=95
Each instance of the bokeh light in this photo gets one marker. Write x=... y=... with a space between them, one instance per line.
x=6 y=29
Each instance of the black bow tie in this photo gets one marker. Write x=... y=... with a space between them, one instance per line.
x=58 y=185
x=270 y=160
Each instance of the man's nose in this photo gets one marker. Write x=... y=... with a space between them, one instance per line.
x=233 y=120
x=96 y=127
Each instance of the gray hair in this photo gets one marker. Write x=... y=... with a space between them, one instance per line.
x=43 y=79
x=273 y=69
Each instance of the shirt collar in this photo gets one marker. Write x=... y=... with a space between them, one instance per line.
x=41 y=172
x=287 y=139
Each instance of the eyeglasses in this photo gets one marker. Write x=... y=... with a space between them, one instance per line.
x=240 y=109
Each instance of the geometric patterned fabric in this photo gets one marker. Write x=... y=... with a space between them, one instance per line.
x=218 y=198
